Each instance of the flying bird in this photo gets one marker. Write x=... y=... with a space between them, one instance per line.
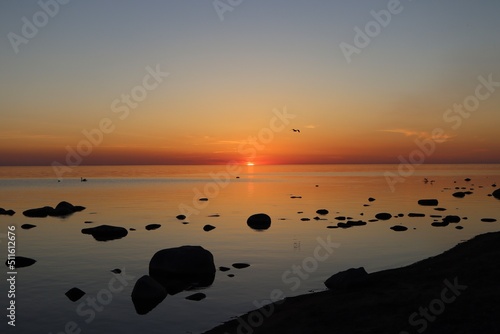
x=296 y=130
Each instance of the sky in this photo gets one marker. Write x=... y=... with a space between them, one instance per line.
x=208 y=82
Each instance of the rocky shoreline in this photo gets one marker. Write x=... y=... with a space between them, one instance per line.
x=454 y=292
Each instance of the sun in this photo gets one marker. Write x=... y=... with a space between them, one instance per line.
x=250 y=164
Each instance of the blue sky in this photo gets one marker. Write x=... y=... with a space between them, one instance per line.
x=226 y=76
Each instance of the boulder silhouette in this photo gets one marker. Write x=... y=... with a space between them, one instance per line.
x=347 y=278
x=259 y=221
x=496 y=194
x=147 y=294
x=61 y=210
x=106 y=232
x=183 y=268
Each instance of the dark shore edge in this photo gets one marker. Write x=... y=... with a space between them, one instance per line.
x=457 y=291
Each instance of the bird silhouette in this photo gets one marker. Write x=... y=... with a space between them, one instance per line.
x=296 y=130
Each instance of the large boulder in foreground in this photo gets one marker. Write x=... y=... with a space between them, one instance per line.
x=183 y=268
x=259 y=221
x=61 y=210
x=106 y=232
x=147 y=293
x=347 y=278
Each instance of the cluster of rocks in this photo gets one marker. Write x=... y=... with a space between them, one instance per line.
x=61 y=210
x=171 y=271
x=7 y=212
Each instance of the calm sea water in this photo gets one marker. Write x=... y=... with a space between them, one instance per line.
x=134 y=196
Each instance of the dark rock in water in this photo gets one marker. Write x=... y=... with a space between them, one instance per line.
x=240 y=265
x=152 y=227
x=412 y=214
x=230 y=275
x=299 y=212
x=27 y=226
x=366 y=204
x=38 y=212
x=488 y=220
x=203 y=199
x=373 y=220
x=88 y=222
x=428 y=202
x=259 y=221
x=468 y=192
x=440 y=224
x=356 y=223
x=197 y=296
x=295 y=196
x=344 y=225
x=458 y=227
x=185 y=223
x=401 y=215
x=496 y=194
x=383 y=216
x=371 y=199
x=224 y=269
x=208 y=228
x=440 y=209
x=322 y=212
x=20 y=262
x=467 y=179
x=65 y=209
x=183 y=268
x=147 y=294
x=340 y=218
x=347 y=279
x=106 y=232
x=132 y=229
x=116 y=271
x=214 y=215
x=305 y=219
x=181 y=217
x=332 y=226
x=61 y=210
x=399 y=228
x=435 y=216
x=452 y=219
x=74 y=294
x=459 y=194
x=7 y=212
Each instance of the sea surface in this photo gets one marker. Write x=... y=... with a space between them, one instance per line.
x=283 y=258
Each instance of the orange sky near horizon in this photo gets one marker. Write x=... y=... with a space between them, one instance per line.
x=173 y=84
